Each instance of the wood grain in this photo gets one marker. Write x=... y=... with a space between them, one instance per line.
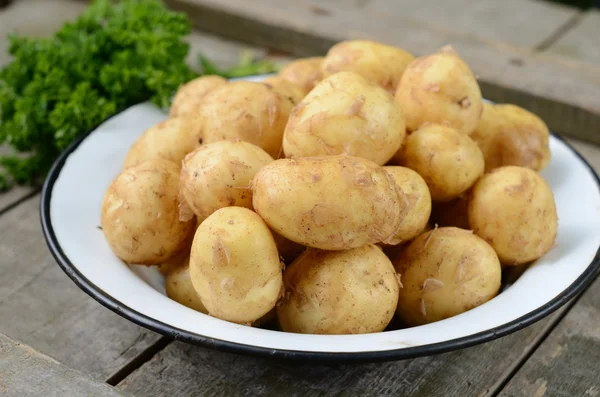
x=582 y=42
x=40 y=305
x=25 y=372
x=562 y=92
x=567 y=363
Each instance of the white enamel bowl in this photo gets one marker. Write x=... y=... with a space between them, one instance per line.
x=70 y=214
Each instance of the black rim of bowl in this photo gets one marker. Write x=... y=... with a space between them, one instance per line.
x=150 y=323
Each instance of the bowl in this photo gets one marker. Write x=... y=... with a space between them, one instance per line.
x=70 y=215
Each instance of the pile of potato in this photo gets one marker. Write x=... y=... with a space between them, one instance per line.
x=342 y=192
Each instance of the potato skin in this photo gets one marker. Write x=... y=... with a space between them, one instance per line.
x=140 y=218
x=345 y=114
x=218 y=175
x=339 y=292
x=449 y=161
x=189 y=96
x=178 y=284
x=513 y=209
x=417 y=201
x=510 y=135
x=171 y=139
x=304 y=73
x=445 y=272
x=452 y=213
x=286 y=88
x=379 y=63
x=251 y=112
x=440 y=88
x=234 y=265
x=288 y=250
x=333 y=202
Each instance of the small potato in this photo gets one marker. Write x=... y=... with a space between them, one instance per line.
x=333 y=202
x=440 y=88
x=286 y=88
x=513 y=209
x=304 y=73
x=140 y=218
x=171 y=139
x=251 y=112
x=234 y=266
x=450 y=162
x=288 y=250
x=345 y=114
x=510 y=135
x=190 y=95
x=344 y=292
x=445 y=272
x=379 y=63
x=178 y=284
x=176 y=261
x=218 y=175
x=417 y=202
x=452 y=213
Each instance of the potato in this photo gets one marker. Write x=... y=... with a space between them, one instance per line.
x=288 y=250
x=304 y=73
x=510 y=135
x=445 y=272
x=440 y=88
x=449 y=161
x=339 y=292
x=171 y=139
x=333 y=202
x=345 y=114
x=218 y=175
x=379 y=63
x=140 y=218
x=286 y=88
x=513 y=209
x=251 y=112
x=177 y=261
x=234 y=265
x=452 y=213
x=178 y=284
x=417 y=202
x=190 y=95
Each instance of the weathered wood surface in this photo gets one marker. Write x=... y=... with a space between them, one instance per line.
x=567 y=363
x=582 y=42
x=25 y=372
x=521 y=23
x=40 y=305
x=561 y=91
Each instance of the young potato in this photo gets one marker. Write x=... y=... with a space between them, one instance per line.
x=178 y=284
x=339 y=292
x=190 y=95
x=449 y=161
x=510 y=135
x=304 y=73
x=171 y=139
x=251 y=112
x=218 y=175
x=416 y=199
x=345 y=114
x=332 y=203
x=140 y=218
x=288 y=250
x=177 y=261
x=234 y=266
x=452 y=213
x=513 y=209
x=379 y=63
x=440 y=88
x=286 y=88
x=445 y=272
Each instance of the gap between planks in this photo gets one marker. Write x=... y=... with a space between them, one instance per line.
x=559 y=32
x=139 y=360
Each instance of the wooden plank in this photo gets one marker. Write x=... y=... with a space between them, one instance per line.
x=14 y=195
x=582 y=42
x=42 y=307
x=567 y=363
x=562 y=92
x=25 y=372
x=521 y=23
x=589 y=151
x=183 y=370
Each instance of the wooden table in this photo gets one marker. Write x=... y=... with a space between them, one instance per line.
x=56 y=341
